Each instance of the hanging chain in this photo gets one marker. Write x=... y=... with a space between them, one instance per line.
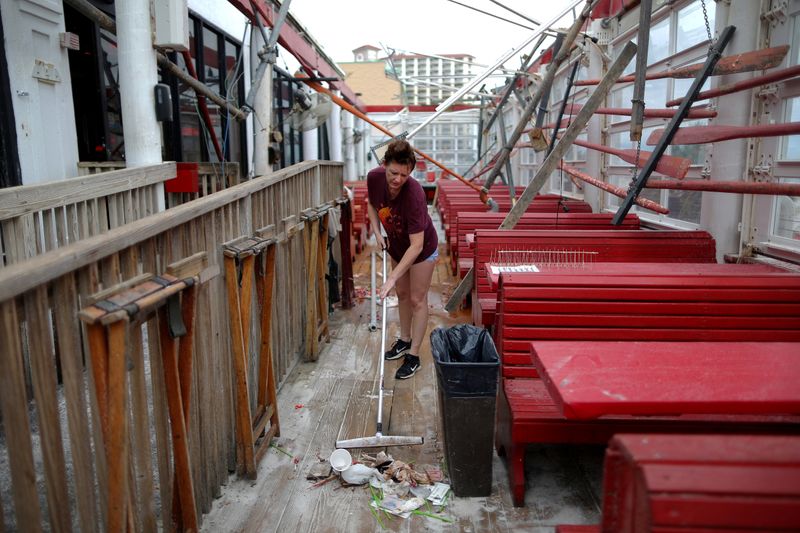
x=635 y=169
x=708 y=26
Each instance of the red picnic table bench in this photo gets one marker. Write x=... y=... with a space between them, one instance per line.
x=461 y=253
x=599 y=246
x=701 y=482
x=750 y=307
x=590 y=379
x=642 y=301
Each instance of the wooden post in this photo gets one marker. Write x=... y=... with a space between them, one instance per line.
x=348 y=288
x=643 y=42
x=311 y=251
x=322 y=284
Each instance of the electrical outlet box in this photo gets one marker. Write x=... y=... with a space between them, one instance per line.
x=172 y=24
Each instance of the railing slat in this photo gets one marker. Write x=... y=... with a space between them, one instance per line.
x=14 y=408
x=65 y=299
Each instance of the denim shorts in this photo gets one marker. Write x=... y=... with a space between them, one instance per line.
x=433 y=256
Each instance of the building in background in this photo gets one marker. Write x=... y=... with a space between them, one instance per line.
x=401 y=92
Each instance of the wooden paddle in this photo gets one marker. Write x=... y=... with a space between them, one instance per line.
x=668 y=165
x=648 y=113
x=710 y=134
x=747 y=62
x=775 y=76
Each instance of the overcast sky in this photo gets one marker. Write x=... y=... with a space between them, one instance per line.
x=423 y=26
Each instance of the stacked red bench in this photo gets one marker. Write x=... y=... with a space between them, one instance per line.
x=360 y=217
x=616 y=246
x=748 y=305
x=462 y=252
x=546 y=203
x=699 y=482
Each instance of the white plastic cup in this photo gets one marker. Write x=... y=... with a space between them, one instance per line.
x=340 y=460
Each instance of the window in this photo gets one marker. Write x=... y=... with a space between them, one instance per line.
x=776 y=220
x=691 y=28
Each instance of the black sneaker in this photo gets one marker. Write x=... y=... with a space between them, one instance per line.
x=397 y=350
x=409 y=368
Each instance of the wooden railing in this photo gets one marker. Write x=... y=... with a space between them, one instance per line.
x=41 y=337
x=38 y=218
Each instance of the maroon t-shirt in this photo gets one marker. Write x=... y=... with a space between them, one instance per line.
x=402 y=216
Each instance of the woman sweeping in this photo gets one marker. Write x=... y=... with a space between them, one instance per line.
x=399 y=203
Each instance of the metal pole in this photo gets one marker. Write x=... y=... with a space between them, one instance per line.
x=510 y=87
x=508 y=55
x=557 y=127
x=373 y=315
x=548 y=78
x=509 y=174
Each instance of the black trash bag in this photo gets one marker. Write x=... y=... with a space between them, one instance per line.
x=466 y=360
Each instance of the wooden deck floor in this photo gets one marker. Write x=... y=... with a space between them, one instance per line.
x=335 y=398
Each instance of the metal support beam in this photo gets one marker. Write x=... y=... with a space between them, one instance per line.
x=713 y=57
x=510 y=87
x=559 y=58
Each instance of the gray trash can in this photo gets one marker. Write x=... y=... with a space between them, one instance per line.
x=467 y=368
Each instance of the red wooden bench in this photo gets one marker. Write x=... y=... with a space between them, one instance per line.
x=748 y=307
x=462 y=252
x=605 y=246
x=701 y=482
x=360 y=218
x=540 y=204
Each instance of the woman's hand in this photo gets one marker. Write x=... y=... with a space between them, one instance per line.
x=387 y=287
x=380 y=241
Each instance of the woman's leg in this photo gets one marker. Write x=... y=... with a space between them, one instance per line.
x=403 y=291
x=420 y=275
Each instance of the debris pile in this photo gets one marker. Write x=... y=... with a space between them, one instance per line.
x=395 y=487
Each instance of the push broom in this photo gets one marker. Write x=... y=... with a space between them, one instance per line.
x=379 y=440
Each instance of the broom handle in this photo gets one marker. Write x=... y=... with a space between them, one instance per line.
x=379 y=429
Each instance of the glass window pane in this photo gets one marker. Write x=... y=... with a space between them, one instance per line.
x=622 y=97
x=790 y=148
x=691 y=25
x=684 y=205
x=210 y=74
x=655 y=94
x=787 y=215
x=658 y=46
x=681 y=86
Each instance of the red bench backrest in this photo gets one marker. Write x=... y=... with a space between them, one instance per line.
x=708 y=482
x=718 y=305
x=470 y=222
x=610 y=246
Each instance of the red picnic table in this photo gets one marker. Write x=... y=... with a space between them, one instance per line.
x=589 y=379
